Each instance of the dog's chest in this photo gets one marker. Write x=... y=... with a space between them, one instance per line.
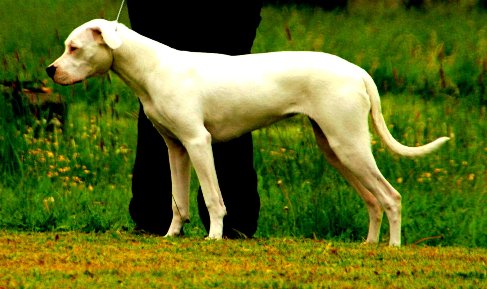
x=157 y=121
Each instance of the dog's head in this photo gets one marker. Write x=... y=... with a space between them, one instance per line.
x=88 y=52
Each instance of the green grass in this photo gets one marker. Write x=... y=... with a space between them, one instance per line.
x=439 y=51
x=73 y=260
x=429 y=65
x=441 y=193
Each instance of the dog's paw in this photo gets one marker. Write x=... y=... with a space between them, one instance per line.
x=172 y=235
x=209 y=237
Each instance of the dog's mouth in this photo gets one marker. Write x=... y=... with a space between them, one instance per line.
x=74 y=82
x=68 y=83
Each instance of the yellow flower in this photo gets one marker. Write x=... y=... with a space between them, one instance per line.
x=47 y=202
x=471 y=177
x=399 y=180
x=34 y=152
x=64 y=170
x=459 y=181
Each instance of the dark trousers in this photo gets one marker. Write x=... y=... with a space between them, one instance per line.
x=217 y=26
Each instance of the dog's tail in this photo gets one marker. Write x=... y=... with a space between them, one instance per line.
x=385 y=135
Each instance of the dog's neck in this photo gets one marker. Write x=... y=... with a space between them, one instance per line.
x=128 y=64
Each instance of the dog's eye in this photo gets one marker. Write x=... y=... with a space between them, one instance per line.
x=72 y=49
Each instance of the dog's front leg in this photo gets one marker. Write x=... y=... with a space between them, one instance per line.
x=180 y=178
x=201 y=154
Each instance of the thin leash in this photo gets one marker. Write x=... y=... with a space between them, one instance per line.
x=116 y=20
x=120 y=11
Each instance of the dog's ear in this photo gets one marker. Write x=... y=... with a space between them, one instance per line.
x=107 y=34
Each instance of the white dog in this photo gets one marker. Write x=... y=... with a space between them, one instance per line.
x=194 y=99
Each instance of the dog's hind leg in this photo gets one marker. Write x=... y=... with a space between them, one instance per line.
x=373 y=206
x=347 y=132
x=355 y=154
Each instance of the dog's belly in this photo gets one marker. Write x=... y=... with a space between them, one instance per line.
x=236 y=111
x=231 y=128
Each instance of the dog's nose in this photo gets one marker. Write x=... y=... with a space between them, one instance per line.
x=51 y=70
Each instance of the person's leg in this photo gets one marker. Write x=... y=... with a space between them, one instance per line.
x=232 y=32
x=211 y=26
x=150 y=207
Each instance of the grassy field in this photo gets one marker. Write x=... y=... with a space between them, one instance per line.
x=64 y=193
x=73 y=260
x=430 y=66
